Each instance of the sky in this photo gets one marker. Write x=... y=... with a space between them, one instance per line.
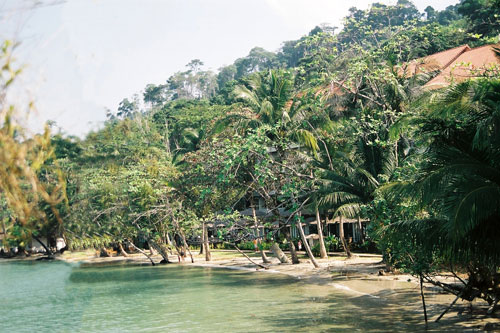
x=80 y=57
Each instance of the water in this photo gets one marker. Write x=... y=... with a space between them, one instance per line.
x=59 y=297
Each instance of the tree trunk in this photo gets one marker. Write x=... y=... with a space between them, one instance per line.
x=342 y=238
x=448 y=308
x=122 y=250
x=259 y=243
x=186 y=245
x=293 y=251
x=167 y=237
x=141 y=251
x=249 y=259
x=322 y=248
x=160 y=249
x=279 y=254
x=327 y=221
x=183 y=237
x=47 y=250
x=361 y=236
x=151 y=249
x=306 y=245
x=202 y=243
x=179 y=254
x=208 y=255
x=423 y=298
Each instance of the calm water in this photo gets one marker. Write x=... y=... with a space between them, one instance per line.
x=58 y=297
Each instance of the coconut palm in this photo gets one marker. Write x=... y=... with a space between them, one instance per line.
x=458 y=185
x=269 y=100
x=268 y=103
x=347 y=181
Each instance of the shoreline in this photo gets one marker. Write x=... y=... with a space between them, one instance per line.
x=337 y=266
x=355 y=277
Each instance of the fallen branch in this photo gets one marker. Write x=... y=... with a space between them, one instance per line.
x=492 y=307
x=448 y=308
x=445 y=286
x=423 y=298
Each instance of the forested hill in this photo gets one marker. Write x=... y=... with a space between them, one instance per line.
x=382 y=34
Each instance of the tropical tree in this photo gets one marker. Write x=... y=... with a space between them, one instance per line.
x=483 y=16
x=457 y=189
x=268 y=97
x=32 y=186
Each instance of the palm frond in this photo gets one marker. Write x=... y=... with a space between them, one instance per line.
x=307 y=139
x=351 y=210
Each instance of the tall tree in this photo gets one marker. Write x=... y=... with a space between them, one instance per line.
x=457 y=189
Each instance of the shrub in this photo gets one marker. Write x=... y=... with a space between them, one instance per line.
x=315 y=250
x=368 y=246
x=332 y=244
x=248 y=245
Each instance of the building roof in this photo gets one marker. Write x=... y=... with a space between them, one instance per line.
x=469 y=64
x=434 y=62
x=454 y=65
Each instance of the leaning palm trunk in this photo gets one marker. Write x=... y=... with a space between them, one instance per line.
x=279 y=254
x=322 y=248
x=259 y=242
x=306 y=245
x=122 y=250
x=141 y=251
x=293 y=251
x=161 y=250
x=342 y=238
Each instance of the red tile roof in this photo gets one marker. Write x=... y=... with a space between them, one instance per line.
x=434 y=62
x=467 y=65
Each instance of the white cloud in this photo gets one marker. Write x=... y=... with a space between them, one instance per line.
x=313 y=12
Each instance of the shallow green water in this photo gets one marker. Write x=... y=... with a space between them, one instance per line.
x=59 y=297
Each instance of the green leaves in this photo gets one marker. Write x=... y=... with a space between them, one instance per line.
x=458 y=181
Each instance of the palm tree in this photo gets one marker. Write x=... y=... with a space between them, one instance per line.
x=269 y=101
x=458 y=185
x=346 y=184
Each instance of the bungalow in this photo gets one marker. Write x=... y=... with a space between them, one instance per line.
x=354 y=229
